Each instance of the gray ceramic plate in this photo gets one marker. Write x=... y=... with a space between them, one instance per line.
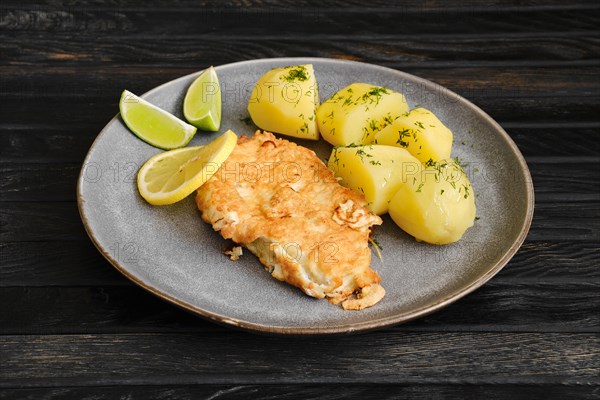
x=173 y=254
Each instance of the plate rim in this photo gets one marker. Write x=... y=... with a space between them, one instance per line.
x=353 y=327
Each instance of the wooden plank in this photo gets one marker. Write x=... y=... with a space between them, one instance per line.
x=38 y=182
x=239 y=358
x=309 y=392
x=43 y=264
x=59 y=263
x=520 y=82
x=552 y=177
x=298 y=18
x=394 y=50
x=497 y=307
x=552 y=206
x=40 y=221
x=548 y=261
x=333 y=392
x=170 y=6
x=38 y=142
x=556 y=140
x=68 y=143
x=556 y=229
x=559 y=180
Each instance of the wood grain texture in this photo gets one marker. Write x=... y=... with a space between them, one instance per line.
x=307 y=392
x=547 y=261
x=297 y=19
x=550 y=140
x=56 y=263
x=29 y=221
x=38 y=142
x=497 y=307
x=67 y=264
x=395 y=50
x=185 y=5
x=39 y=182
x=240 y=358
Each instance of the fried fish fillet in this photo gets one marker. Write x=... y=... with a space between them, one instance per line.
x=282 y=203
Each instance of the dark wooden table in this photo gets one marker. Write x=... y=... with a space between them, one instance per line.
x=72 y=327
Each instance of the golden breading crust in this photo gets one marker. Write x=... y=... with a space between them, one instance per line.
x=281 y=202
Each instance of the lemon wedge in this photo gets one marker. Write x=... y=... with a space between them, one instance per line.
x=202 y=102
x=154 y=125
x=169 y=177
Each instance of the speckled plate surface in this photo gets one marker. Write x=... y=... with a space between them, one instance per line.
x=173 y=254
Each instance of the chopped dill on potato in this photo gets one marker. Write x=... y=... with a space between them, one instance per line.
x=296 y=73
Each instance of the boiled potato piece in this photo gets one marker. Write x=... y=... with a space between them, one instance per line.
x=285 y=101
x=355 y=113
x=437 y=207
x=421 y=133
x=376 y=171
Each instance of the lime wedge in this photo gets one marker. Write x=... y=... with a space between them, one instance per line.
x=154 y=125
x=202 y=103
x=169 y=177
